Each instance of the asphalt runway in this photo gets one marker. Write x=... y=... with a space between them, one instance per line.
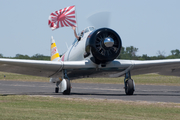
x=151 y=93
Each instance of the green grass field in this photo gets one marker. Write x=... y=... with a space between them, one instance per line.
x=14 y=107
x=149 y=79
x=17 y=107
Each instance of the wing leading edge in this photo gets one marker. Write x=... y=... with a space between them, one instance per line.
x=163 y=67
x=42 y=68
x=30 y=67
x=118 y=68
x=79 y=69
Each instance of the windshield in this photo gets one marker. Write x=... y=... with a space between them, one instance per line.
x=89 y=29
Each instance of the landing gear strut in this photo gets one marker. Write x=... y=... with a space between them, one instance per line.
x=57 y=86
x=65 y=85
x=129 y=84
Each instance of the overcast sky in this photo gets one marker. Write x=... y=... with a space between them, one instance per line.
x=149 y=25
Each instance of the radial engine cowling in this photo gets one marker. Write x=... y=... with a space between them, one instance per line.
x=104 y=44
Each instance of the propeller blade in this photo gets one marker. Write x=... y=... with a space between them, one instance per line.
x=100 y=19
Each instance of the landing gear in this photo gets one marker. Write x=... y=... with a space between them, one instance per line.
x=129 y=84
x=57 y=86
x=86 y=54
x=65 y=85
x=68 y=87
x=56 y=89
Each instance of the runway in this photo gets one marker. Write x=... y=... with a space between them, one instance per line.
x=151 y=93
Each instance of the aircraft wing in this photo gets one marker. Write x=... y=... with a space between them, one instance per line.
x=86 y=68
x=30 y=67
x=162 y=67
x=40 y=67
x=118 y=68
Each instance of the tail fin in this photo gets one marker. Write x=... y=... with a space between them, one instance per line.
x=54 y=52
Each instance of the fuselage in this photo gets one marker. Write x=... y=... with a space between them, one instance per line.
x=100 y=46
x=76 y=51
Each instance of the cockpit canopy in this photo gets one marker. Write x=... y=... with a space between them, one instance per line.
x=86 y=30
x=89 y=29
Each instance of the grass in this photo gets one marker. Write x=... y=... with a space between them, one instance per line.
x=20 y=77
x=148 y=79
x=14 y=107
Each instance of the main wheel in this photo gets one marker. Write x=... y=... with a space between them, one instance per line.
x=129 y=87
x=68 y=89
x=56 y=89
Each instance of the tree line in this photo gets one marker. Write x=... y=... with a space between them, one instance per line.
x=128 y=53
x=34 y=57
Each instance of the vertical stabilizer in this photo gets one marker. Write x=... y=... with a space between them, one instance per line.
x=54 y=52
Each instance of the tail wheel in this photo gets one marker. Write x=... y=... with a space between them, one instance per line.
x=68 y=90
x=56 y=89
x=129 y=87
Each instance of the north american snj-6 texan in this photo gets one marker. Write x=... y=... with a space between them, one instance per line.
x=91 y=57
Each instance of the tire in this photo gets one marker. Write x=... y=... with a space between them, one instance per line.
x=68 y=90
x=129 y=87
x=56 y=89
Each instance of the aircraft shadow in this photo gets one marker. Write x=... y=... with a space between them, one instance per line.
x=177 y=93
x=100 y=94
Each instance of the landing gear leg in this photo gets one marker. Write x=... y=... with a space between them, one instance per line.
x=57 y=87
x=65 y=85
x=129 y=84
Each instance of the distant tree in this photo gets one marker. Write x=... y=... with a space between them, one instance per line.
x=131 y=51
x=122 y=53
x=154 y=57
x=175 y=52
x=145 y=57
x=128 y=53
x=1 y=55
x=40 y=57
x=17 y=55
x=20 y=56
x=161 y=55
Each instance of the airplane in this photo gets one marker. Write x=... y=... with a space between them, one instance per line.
x=91 y=57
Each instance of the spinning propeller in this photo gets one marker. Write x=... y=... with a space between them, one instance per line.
x=100 y=19
x=105 y=43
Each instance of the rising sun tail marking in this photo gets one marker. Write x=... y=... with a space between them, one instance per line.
x=54 y=51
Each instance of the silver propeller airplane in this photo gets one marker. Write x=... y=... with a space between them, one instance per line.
x=93 y=56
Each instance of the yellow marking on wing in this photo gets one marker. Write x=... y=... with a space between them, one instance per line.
x=53 y=45
x=54 y=56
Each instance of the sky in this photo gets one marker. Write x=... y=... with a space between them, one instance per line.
x=149 y=25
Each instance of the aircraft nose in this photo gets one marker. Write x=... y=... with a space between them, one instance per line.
x=108 y=42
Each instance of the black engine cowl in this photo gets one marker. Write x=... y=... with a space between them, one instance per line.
x=104 y=44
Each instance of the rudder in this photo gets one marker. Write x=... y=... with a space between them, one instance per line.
x=54 y=51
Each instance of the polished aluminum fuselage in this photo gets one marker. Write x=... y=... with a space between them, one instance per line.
x=77 y=49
